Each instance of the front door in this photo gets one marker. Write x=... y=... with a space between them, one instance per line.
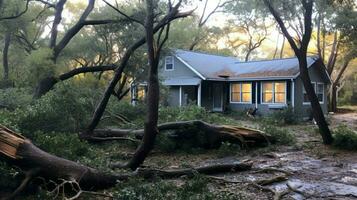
x=217 y=92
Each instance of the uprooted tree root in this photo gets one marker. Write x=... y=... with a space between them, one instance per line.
x=19 y=151
x=213 y=135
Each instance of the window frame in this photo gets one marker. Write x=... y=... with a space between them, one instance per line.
x=316 y=92
x=273 y=93
x=241 y=93
x=172 y=62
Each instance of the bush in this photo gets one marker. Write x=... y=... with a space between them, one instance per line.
x=285 y=116
x=12 y=98
x=280 y=136
x=67 y=108
x=345 y=138
x=62 y=144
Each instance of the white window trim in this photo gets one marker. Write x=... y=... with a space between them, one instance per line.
x=173 y=63
x=241 y=102
x=273 y=103
x=315 y=88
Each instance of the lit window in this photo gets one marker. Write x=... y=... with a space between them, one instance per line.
x=267 y=92
x=169 y=63
x=274 y=92
x=241 y=92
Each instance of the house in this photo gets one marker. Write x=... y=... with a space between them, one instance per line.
x=220 y=83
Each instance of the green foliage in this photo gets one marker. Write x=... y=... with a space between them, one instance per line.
x=12 y=98
x=280 y=136
x=345 y=138
x=285 y=116
x=66 y=109
x=39 y=65
x=64 y=145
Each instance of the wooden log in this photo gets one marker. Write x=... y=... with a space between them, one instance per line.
x=214 y=134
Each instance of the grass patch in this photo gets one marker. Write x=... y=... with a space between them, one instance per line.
x=280 y=136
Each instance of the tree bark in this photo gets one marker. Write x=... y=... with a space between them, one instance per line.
x=5 y=55
x=47 y=84
x=150 y=126
x=57 y=20
x=214 y=135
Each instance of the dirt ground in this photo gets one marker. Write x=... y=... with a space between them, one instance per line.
x=306 y=170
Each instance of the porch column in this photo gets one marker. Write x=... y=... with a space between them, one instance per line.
x=292 y=93
x=256 y=94
x=180 y=96
x=199 y=95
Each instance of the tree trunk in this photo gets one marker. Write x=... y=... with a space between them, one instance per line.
x=333 y=102
x=315 y=105
x=5 y=56
x=202 y=134
x=44 y=86
x=335 y=83
x=20 y=151
x=150 y=127
x=57 y=20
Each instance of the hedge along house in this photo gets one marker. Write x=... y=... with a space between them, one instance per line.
x=221 y=83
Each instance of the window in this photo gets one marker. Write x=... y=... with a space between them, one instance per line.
x=319 y=90
x=274 y=92
x=169 y=63
x=241 y=92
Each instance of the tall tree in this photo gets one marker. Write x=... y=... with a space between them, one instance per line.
x=300 y=50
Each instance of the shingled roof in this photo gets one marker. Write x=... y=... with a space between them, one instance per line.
x=213 y=67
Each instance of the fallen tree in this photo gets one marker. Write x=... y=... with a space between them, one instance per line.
x=213 y=134
x=19 y=151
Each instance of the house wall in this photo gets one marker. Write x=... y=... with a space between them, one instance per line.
x=305 y=109
x=180 y=70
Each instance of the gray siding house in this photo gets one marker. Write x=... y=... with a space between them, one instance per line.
x=220 y=83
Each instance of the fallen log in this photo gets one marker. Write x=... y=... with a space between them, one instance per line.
x=19 y=151
x=180 y=132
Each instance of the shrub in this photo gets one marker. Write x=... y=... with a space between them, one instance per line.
x=279 y=135
x=62 y=144
x=68 y=108
x=345 y=138
x=12 y=98
x=285 y=116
